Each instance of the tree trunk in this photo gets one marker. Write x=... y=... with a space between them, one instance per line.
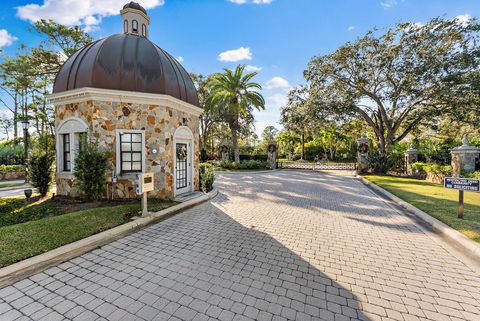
x=236 y=151
x=15 y=120
x=302 y=154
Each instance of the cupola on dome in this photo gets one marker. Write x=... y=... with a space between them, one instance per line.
x=129 y=62
x=136 y=6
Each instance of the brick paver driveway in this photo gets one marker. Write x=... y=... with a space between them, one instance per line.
x=286 y=245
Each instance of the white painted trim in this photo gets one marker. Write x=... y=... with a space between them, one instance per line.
x=82 y=122
x=83 y=128
x=183 y=132
x=121 y=96
x=189 y=140
x=118 y=165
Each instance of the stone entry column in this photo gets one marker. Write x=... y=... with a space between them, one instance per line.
x=411 y=156
x=225 y=151
x=464 y=158
x=272 y=155
x=363 y=146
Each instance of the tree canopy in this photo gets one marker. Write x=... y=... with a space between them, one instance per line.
x=398 y=80
x=234 y=95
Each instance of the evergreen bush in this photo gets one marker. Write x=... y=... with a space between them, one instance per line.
x=382 y=163
x=207 y=177
x=40 y=171
x=90 y=170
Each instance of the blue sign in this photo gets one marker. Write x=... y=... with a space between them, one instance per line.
x=462 y=184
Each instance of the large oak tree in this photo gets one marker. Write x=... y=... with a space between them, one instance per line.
x=398 y=80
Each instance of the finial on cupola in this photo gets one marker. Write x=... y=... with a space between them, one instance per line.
x=135 y=19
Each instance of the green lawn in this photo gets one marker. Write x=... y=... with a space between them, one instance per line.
x=21 y=241
x=437 y=201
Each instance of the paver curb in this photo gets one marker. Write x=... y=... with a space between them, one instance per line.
x=23 y=269
x=463 y=243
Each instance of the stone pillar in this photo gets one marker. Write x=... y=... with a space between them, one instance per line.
x=363 y=146
x=464 y=158
x=225 y=151
x=411 y=156
x=272 y=155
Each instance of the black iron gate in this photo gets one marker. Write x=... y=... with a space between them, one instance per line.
x=317 y=166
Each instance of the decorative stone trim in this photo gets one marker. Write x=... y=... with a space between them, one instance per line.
x=121 y=96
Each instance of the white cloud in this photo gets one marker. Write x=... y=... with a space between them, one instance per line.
x=351 y=28
x=276 y=101
x=241 y=53
x=251 y=1
x=463 y=19
x=6 y=39
x=277 y=82
x=252 y=68
x=180 y=59
x=387 y=4
x=86 y=13
x=271 y=114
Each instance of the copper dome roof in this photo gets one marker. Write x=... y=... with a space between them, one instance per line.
x=126 y=62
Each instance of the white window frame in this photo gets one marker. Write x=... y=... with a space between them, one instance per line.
x=118 y=165
x=72 y=126
x=183 y=134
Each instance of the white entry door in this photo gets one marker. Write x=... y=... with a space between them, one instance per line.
x=183 y=166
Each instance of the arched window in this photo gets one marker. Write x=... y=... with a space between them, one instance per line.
x=71 y=135
x=135 y=26
x=144 y=30
x=125 y=26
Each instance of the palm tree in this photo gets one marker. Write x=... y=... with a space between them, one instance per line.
x=234 y=95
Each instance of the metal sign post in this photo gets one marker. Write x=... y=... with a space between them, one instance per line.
x=462 y=185
x=460 y=204
x=145 y=184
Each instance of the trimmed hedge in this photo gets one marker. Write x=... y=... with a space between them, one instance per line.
x=248 y=164
x=431 y=168
x=475 y=174
x=12 y=168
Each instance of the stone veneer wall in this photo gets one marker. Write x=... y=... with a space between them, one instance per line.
x=159 y=123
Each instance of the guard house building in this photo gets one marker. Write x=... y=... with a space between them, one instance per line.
x=138 y=103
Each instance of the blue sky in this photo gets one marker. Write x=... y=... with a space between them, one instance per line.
x=276 y=36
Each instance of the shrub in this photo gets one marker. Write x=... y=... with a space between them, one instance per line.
x=207 y=177
x=438 y=169
x=475 y=174
x=40 y=171
x=91 y=167
x=259 y=157
x=418 y=166
x=247 y=164
x=253 y=164
x=381 y=163
x=12 y=168
x=432 y=168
